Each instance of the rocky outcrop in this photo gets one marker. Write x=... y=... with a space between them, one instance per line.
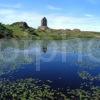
x=67 y=30
x=21 y=24
x=76 y=30
x=21 y=29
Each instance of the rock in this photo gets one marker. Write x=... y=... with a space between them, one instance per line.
x=76 y=30
x=67 y=30
x=21 y=24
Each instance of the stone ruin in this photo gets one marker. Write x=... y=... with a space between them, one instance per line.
x=44 y=23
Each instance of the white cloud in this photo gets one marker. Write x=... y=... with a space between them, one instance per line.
x=50 y=7
x=6 y=11
x=89 y=15
x=14 y=6
x=9 y=16
x=89 y=24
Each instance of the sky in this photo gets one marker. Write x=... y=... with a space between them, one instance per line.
x=61 y=14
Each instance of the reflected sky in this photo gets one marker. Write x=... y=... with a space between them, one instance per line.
x=59 y=61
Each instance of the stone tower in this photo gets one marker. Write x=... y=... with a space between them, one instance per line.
x=44 y=24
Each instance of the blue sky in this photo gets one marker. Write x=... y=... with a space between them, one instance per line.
x=82 y=14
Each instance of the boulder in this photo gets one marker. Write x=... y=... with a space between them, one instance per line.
x=76 y=30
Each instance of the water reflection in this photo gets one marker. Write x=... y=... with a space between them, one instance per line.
x=44 y=46
x=80 y=62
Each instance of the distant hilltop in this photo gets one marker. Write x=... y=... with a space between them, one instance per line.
x=21 y=30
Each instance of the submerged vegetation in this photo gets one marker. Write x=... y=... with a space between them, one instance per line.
x=32 y=89
x=87 y=76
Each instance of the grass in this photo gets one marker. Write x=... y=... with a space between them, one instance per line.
x=63 y=34
x=21 y=30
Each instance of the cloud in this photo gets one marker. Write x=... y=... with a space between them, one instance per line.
x=89 y=15
x=6 y=12
x=50 y=7
x=14 y=6
x=8 y=16
x=89 y=24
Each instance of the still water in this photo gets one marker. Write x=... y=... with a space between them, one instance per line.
x=72 y=63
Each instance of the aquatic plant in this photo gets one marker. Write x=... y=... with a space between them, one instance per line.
x=34 y=89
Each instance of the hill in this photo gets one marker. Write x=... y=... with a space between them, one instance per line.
x=21 y=30
x=5 y=32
